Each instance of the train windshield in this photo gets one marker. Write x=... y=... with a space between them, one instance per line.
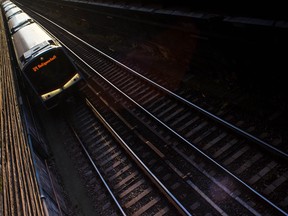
x=50 y=71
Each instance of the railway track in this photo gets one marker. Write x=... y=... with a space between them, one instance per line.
x=218 y=162
x=226 y=98
x=133 y=192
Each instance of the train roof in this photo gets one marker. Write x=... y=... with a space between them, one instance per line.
x=18 y=21
x=6 y=3
x=31 y=40
x=12 y=12
x=8 y=7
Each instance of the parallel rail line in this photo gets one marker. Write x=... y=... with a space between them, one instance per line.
x=250 y=166
x=131 y=191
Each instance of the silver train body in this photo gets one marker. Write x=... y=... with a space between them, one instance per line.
x=41 y=58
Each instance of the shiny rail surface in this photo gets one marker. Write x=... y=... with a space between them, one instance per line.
x=245 y=158
x=131 y=191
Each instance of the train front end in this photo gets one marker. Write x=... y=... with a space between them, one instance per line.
x=51 y=74
x=42 y=60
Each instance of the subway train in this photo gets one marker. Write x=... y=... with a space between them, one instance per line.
x=43 y=61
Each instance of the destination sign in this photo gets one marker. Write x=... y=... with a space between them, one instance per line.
x=43 y=64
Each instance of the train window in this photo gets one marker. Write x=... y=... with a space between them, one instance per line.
x=49 y=71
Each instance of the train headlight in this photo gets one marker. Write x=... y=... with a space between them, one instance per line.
x=73 y=80
x=50 y=94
